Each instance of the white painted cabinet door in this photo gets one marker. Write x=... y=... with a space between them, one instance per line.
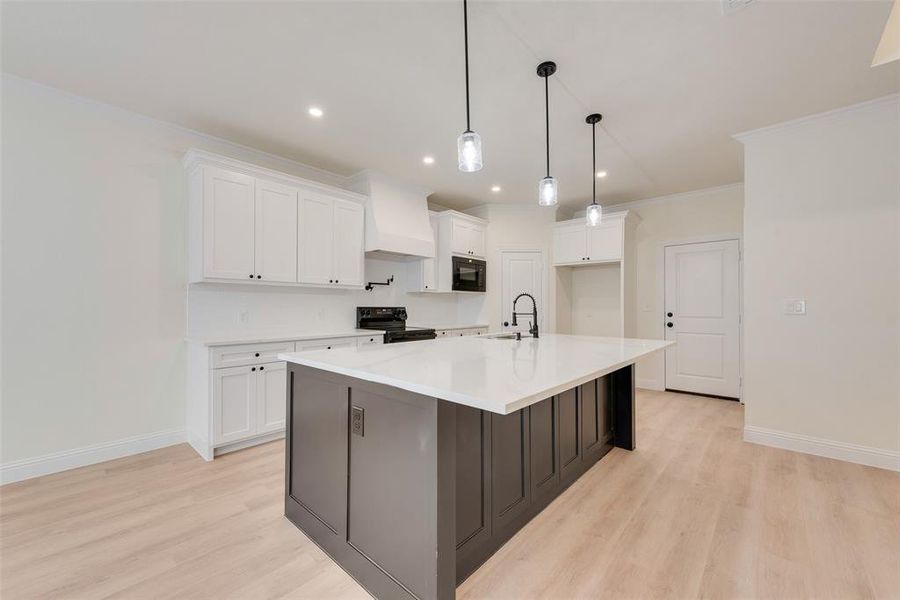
x=349 y=242
x=459 y=237
x=569 y=244
x=228 y=228
x=604 y=242
x=276 y=232
x=702 y=317
x=315 y=246
x=476 y=240
x=271 y=397
x=234 y=404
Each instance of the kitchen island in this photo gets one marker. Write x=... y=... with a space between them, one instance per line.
x=410 y=464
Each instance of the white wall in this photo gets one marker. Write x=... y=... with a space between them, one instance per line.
x=596 y=299
x=689 y=216
x=822 y=222
x=95 y=306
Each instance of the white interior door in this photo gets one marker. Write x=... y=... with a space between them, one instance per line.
x=521 y=272
x=702 y=317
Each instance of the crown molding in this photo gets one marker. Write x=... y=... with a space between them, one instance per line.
x=883 y=102
x=679 y=197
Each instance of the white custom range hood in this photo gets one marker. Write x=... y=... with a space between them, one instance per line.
x=396 y=216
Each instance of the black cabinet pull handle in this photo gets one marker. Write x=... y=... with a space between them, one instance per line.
x=253 y=369
x=329 y=348
x=251 y=275
x=257 y=354
x=261 y=368
x=670 y=324
x=668 y=314
x=337 y=281
x=259 y=276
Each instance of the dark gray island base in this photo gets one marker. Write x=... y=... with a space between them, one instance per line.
x=410 y=494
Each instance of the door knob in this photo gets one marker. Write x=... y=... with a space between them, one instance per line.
x=670 y=324
x=669 y=315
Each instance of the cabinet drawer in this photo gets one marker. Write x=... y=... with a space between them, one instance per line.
x=248 y=354
x=326 y=344
x=442 y=333
x=371 y=340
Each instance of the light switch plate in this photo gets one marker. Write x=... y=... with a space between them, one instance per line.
x=795 y=306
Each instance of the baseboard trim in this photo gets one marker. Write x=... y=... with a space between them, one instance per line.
x=254 y=441
x=648 y=384
x=862 y=455
x=57 y=462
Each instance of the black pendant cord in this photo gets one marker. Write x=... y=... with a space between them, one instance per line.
x=594 y=159
x=466 y=43
x=547 y=119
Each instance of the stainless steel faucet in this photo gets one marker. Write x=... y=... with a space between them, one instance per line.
x=533 y=325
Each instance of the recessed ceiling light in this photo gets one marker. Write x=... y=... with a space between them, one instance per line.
x=315 y=111
x=428 y=160
x=495 y=188
x=601 y=174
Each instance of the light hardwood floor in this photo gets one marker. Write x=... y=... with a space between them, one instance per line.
x=693 y=512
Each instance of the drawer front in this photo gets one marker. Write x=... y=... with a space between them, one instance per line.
x=478 y=331
x=371 y=340
x=248 y=354
x=442 y=333
x=326 y=344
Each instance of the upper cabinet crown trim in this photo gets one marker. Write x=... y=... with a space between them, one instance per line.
x=195 y=159
x=445 y=214
x=621 y=215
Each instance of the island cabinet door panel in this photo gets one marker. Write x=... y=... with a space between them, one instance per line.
x=544 y=449
x=510 y=468
x=595 y=423
x=318 y=447
x=392 y=503
x=473 y=468
x=569 y=434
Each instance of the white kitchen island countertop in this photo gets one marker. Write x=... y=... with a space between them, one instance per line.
x=498 y=375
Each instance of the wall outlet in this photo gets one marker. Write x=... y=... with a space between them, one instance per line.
x=358 y=421
x=243 y=315
x=795 y=306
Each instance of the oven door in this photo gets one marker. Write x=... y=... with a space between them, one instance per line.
x=469 y=274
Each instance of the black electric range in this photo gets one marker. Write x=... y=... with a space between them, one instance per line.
x=392 y=320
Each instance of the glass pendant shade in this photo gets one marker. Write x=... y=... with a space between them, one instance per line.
x=594 y=214
x=548 y=191
x=468 y=148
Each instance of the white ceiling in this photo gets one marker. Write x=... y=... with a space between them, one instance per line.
x=674 y=81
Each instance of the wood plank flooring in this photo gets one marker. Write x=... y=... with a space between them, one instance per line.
x=694 y=512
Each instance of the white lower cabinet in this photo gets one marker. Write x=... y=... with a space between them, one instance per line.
x=445 y=333
x=234 y=391
x=237 y=394
x=271 y=392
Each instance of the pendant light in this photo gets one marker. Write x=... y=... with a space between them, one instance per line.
x=468 y=145
x=594 y=211
x=548 y=189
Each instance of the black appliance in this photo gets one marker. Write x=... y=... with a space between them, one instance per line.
x=391 y=320
x=469 y=274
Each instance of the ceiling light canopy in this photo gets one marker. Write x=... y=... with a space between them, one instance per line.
x=548 y=188
x=468 y=145
x=594 y=212
x=315 y=111
x=495 y=188
x=428 y=160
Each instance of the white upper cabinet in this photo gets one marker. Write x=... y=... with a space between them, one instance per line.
x=466 y=237
x=349 y=232
x=569 y=243
x=575 y=243
x=228 y=215
x=604 y=241
x=315 y=251
x=252 y=225
x=422 y=272
x=276 y=232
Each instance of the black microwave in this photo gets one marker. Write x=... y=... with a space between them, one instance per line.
x=469 y=274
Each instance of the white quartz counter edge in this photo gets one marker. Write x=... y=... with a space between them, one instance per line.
x=449 y=327
x=263 y=338
x=455 y=397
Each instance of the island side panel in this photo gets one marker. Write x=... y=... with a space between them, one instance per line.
x=395 y=535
